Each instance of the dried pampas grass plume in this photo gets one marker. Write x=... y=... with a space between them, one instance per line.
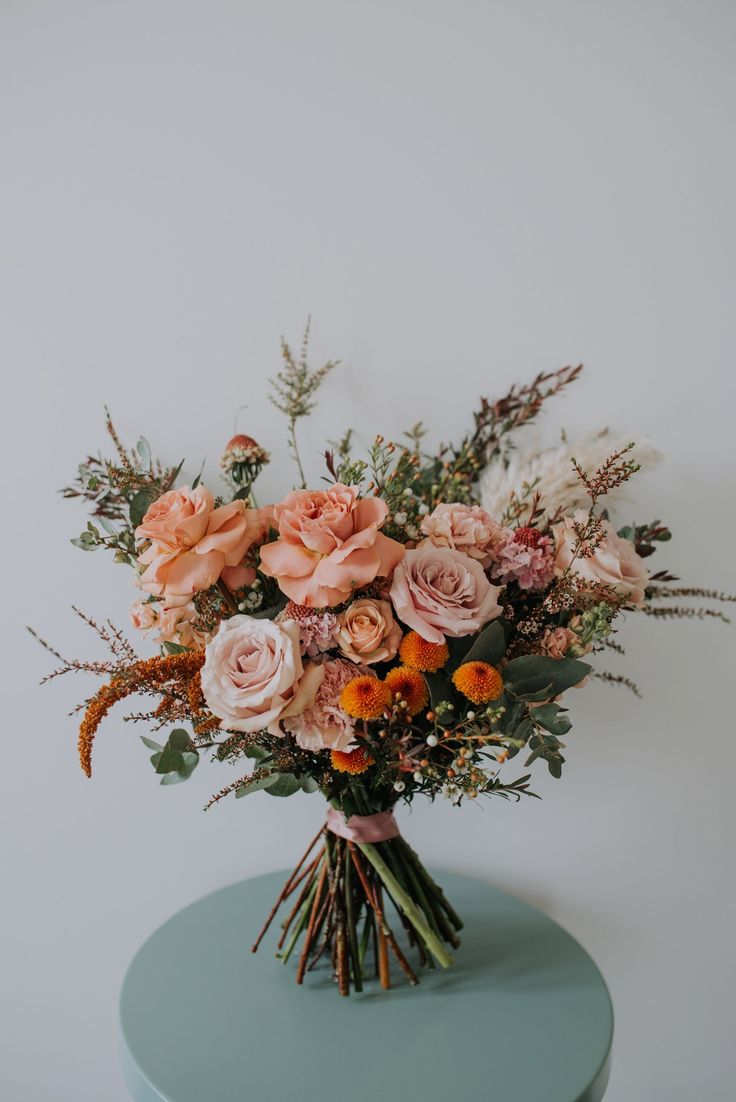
x=550 y=473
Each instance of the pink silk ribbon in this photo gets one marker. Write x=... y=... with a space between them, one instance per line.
x=363 y=828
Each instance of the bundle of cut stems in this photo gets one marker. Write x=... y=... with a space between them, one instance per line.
x=338 y=907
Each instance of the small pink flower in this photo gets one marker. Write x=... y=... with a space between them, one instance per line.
x=367 y=632
x=143 y=615
x=329 y=545
x=465 y=528
x=317 y=629
x=440 y=592
x=527 y=558
x=556 y=642
x=325 y=726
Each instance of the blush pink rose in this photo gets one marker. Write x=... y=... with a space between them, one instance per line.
x=325 y=726
x=253 y=674
x=440 y=592
x=556 y=642
x=613 y=565
x=329 y=544
x=176 y=625
x=465 y=528
x=191 y=542
x=367 y=632
x=143 y=615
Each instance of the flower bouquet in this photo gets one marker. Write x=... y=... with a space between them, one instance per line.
x=409 y=628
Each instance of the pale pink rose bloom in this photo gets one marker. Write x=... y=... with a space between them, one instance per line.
x=253 y=674
x=367 y=632
x=614 y=563
x=238 y=577
x=329 y=544
x=440 y=592
x=325 y=726
x=465 y=528
x=527 y=558
x=143 y=615
x=191 y=543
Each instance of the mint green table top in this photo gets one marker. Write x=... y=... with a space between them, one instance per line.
x=522 y=1016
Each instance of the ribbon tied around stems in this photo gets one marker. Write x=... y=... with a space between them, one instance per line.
x=363 y=828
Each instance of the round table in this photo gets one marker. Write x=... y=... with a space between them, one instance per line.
x=523 y=1015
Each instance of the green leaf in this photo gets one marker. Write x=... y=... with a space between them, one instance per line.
x=553 y=718
x=179 y=739
x=108 y=526
x=533 y=675
x=171 y=761
x=440 y=690
x=309 y=784
x=284 y=784
x=490 y=645
x=175 y=648
x=253 y=786
x=139 y=506
x=150 y=743
x=144 y=451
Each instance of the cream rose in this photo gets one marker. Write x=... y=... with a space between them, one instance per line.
x=253 y=674
x=440 y=592
x=367 y=632
x=614 y=564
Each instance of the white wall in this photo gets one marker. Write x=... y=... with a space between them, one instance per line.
x=461 y=194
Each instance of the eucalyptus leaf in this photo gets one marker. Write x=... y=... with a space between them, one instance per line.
x=171 y=761
x=150 y=743
x=534 y=674
x=553 y=718
x=179 y=739
x=144 y=451
x=253 y=786
x=175 y=648
x=490 y=645
x=139 y=506
x=309 y=784
x=285 y=784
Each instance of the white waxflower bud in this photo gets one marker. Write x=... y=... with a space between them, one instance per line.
x=399 y=786
x=432 y=740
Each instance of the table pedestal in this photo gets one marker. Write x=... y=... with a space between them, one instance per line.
x=522 y=1016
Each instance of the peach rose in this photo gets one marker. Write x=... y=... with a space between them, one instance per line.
x=176 y=625
x=191 y=542
x=329 y=544
x=465 y=528
x=440 y=592
x=367 y=632
x=253 y=674
x=614 y=564
x=143 y=615
x=556 y=642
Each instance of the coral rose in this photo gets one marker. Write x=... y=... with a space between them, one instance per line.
x=367 y=632
x=325 y=725
x=253 y=674
x=440 y=592
x=191 y=542
x=329 y=544
x=465 y=528
x=613 y=565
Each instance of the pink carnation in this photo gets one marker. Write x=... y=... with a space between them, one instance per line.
x=325 y=726
x=527 y=558
x=317 y=629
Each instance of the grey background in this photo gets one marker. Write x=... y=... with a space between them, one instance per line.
x=461 y=194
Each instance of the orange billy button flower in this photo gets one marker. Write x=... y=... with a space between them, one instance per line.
x=479 y=681
x=356 y=761
x=410 y=686
x=422 y=655
x=365 y=697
